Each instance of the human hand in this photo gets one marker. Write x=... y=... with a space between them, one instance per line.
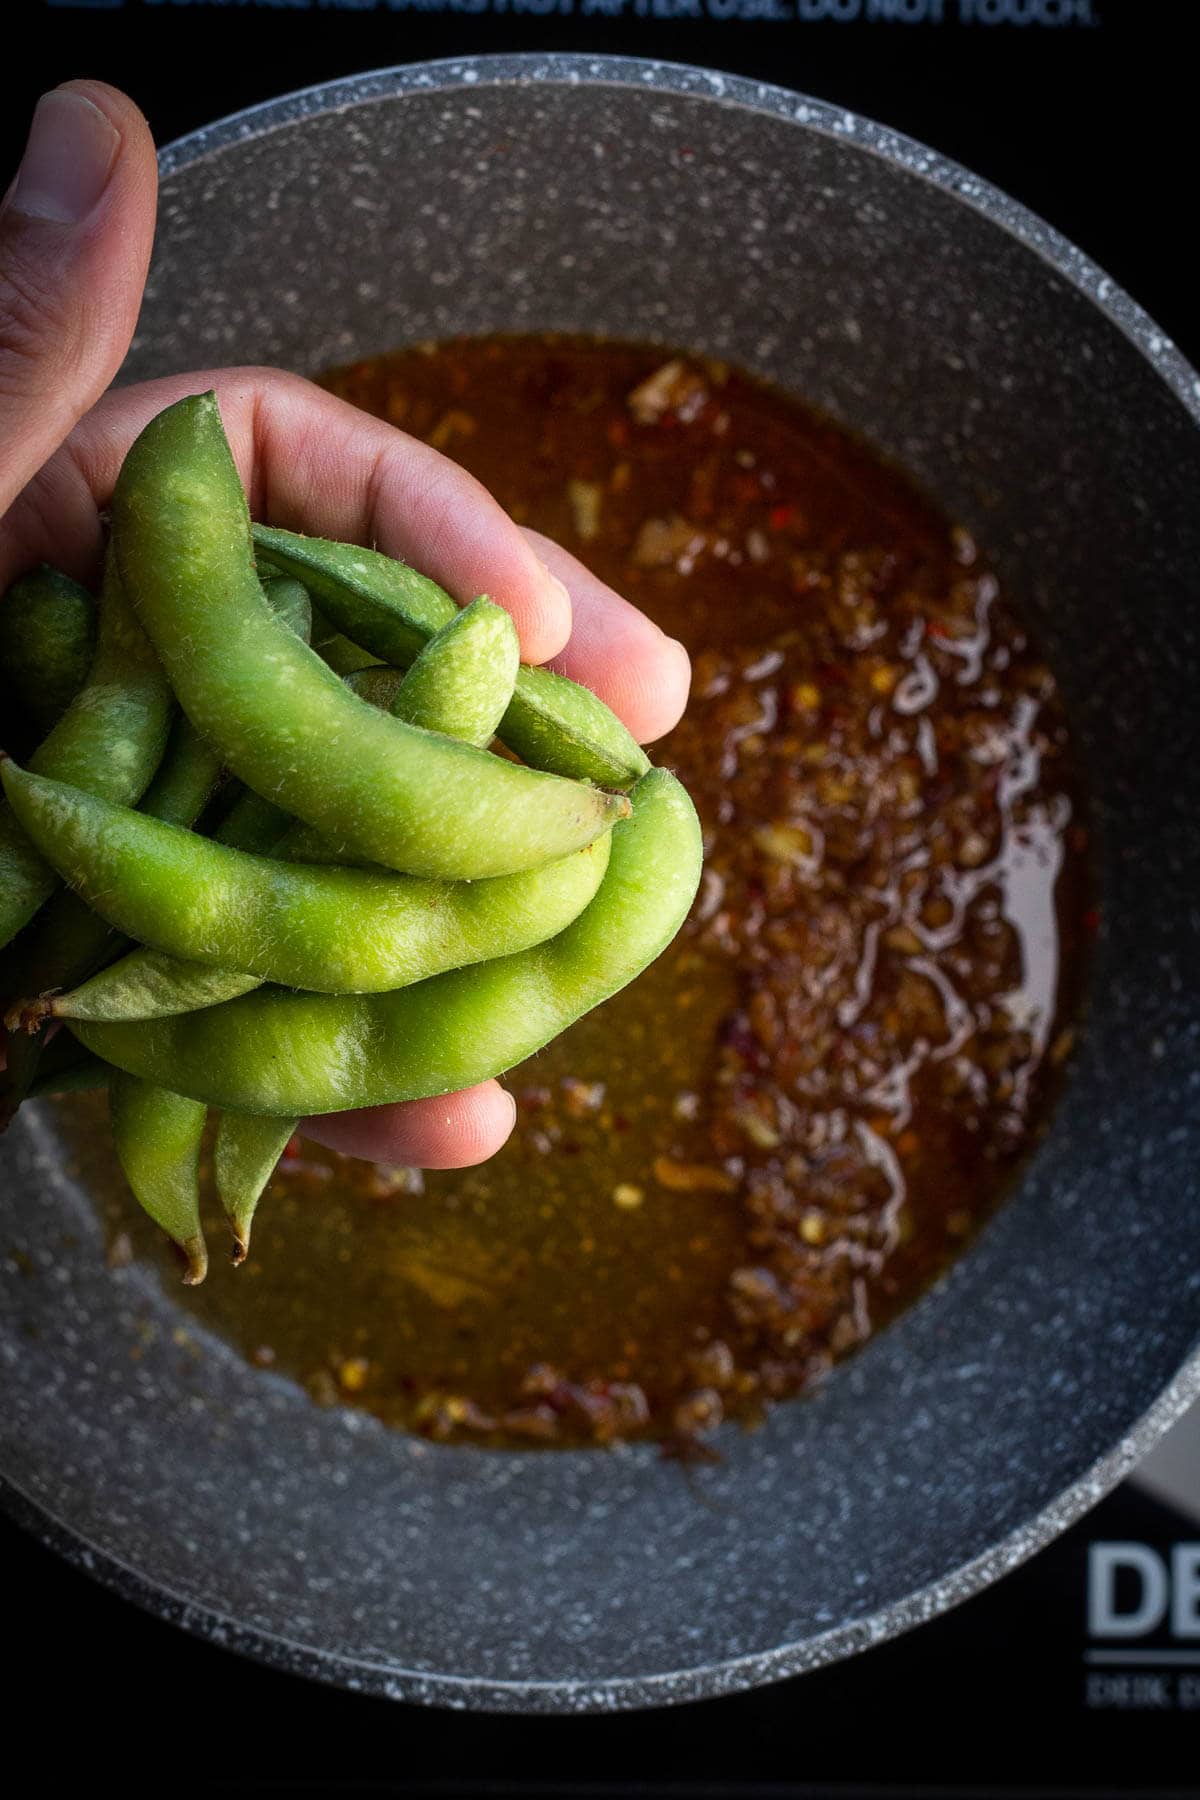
x=75 y=235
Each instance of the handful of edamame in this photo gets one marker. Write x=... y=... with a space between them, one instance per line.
x=384 y=910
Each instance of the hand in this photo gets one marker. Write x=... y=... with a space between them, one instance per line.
x=75 y=235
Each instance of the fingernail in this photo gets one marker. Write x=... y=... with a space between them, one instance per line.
x=560 y=587
x=682 y=657
x=512 y=1104
x=67 y=161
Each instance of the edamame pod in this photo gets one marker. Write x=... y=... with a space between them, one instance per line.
x=47 y=640
x=552 y=723
x=157 y=1135
x=71 y=941
x=109 y=741
x=190 y=767
x=282 y=719
x=83 y=1075
x=293 y=1054
x=473 y=649
x=65 y=1067
x=248 y=1148
x=145 y=984
x=461 y=683
x=343 y=657
x=39 y=1072
x=253 y=824
x=289 y=601
x=324 y=928
x=185 y=778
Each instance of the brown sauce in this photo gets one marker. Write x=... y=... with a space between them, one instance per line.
x=739 y=1168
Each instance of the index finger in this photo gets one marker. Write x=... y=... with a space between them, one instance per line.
x=310 y=462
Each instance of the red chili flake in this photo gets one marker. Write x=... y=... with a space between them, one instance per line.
x=935 y=628
x=618 y=431
x=291 y=1149
x=1091 y=920
x=781 y=516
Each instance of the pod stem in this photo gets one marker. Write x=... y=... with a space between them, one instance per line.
x=30 y=1015
x=194 y=1251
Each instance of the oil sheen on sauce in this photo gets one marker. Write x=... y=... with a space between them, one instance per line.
x=735 y=1171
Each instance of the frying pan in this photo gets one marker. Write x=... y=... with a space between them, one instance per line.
x=1024 y=389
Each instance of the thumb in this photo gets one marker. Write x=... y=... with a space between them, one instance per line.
x=76 y=227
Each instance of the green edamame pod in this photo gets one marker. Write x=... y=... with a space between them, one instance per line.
x=18 y=1075
x=343 y=657
x=47 y=640
x=462 y=681
x=83 y=1077
x=157 y=1135
x=109 y=742
x=190 y=767
x=293 y=1054
x=185 y=778
x=35 y=1071
x=71 y=940
x=253 y=824
x=248 y=1148
x=357 y=590
x=378 y=685
x=406 y=798
x=146 y=984
x=150 y=983
x=65 y=1067
x=459 y=684
x=551 y=722
x=324 y=928
x=289 y=601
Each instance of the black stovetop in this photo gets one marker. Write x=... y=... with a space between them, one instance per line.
x=1083 y=110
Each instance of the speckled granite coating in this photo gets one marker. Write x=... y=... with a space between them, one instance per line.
x=1043 y=406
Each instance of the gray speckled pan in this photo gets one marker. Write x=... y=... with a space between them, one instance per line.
x=1020 y=385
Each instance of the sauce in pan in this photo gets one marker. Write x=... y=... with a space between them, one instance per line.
x=734 y=1172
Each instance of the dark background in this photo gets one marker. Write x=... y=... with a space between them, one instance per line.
x=1091 y=125
x=1091 y=122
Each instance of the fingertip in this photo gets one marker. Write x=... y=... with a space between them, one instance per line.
x=117 y=106
x=455 y=1131
x=552 y=627
x=643 y=675
x=135 y=169
x=678 y=676
x=540 y=608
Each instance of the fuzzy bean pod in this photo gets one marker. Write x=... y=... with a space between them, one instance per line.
x=323 y=928
x=248 y=1148
x=293 y=1054
x=157 y=1135
x=109 y=741
x=47 y=640
x=281 y=718
x=71 y=940
x=473 y=660
x=387 y=608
